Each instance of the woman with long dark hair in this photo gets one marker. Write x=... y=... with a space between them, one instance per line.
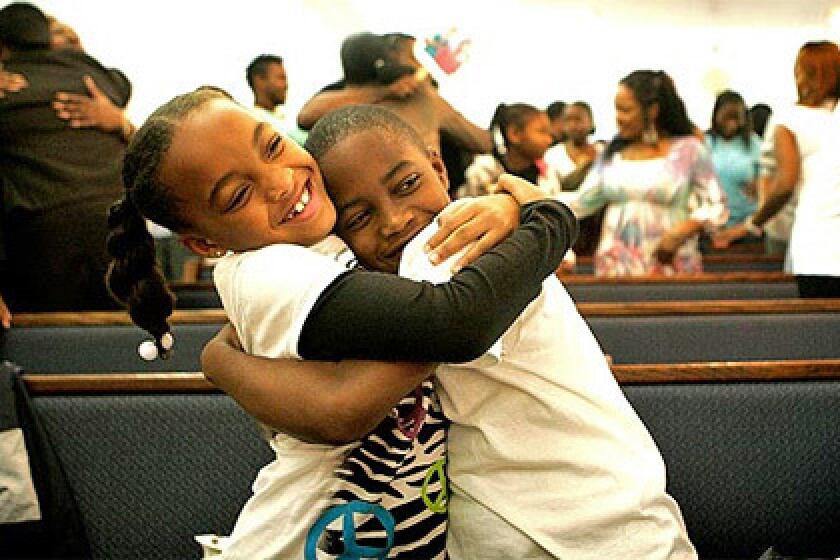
x=657 y=181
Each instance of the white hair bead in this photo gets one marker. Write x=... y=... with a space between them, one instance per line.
x=148 y=350
x=167 y=341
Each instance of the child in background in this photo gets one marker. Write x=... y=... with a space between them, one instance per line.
x=547 y=459
x=204 y=167
x=521 y=136
x=735 y=150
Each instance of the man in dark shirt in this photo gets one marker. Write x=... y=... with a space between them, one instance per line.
x=57 y=181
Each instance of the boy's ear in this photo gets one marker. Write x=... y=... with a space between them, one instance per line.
x=438 y=166
x=201 y=246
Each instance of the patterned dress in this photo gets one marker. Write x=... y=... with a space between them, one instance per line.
x=645 y=199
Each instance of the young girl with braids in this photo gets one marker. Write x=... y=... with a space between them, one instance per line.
x=202 y=166
x=521 y=136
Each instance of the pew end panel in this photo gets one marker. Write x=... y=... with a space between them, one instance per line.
x=150 y=471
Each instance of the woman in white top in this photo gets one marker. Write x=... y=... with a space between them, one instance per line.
x=806 y=138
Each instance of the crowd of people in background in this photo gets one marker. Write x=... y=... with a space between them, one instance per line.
x=651 y=200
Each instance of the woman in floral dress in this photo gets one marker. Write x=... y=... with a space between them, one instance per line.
x=658 y=182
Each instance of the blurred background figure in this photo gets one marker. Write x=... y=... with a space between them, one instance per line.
x=759 y=114
x=576 y=151
x=267 y=79
x=571 y=161
x=555 y=117
x=736 y=150
x=805 y=139
x=383 y=70
x=657 y=181
x=57 y=181
x=521 y=136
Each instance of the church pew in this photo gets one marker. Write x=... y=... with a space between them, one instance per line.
x=752 y=451
x=699 y=331
x=634 y=332
x=725 y=262
x=583 y=288
x=706 y=286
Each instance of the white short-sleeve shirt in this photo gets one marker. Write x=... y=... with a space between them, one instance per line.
x=267 y=294
x=543 y=437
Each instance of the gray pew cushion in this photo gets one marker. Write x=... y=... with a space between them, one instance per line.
x=100 y=348
x=752 y=464
x=682 y=291
x=712 y=338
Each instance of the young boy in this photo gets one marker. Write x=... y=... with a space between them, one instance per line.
x=546 y=457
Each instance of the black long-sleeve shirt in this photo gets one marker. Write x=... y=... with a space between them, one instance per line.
x=378 y=316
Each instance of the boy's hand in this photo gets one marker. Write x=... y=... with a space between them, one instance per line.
x=480 y=223
x=520 y=189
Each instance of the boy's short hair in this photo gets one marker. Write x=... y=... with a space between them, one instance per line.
x=342 y=123
x=259 y=67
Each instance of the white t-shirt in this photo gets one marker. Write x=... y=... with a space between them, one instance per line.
x=814 y=248
x=267 y=300
x=543 y=436
x=557 y=158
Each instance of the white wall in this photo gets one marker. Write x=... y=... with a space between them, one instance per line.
x=534 y=51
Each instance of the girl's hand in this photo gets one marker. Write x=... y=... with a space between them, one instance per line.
x=520 y=189
x=482 y=221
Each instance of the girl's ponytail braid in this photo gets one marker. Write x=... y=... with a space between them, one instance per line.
x=133 y=277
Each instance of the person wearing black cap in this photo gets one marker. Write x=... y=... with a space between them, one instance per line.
x=57 y=181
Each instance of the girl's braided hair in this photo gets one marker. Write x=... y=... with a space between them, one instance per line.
x=134 y=278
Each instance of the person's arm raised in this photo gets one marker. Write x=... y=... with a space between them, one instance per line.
x=322 y=103
x=463 y=132
x=322 y=402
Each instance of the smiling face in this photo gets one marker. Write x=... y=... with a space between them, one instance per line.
x=242 y=185
x=629 y=118
x=387 y=199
